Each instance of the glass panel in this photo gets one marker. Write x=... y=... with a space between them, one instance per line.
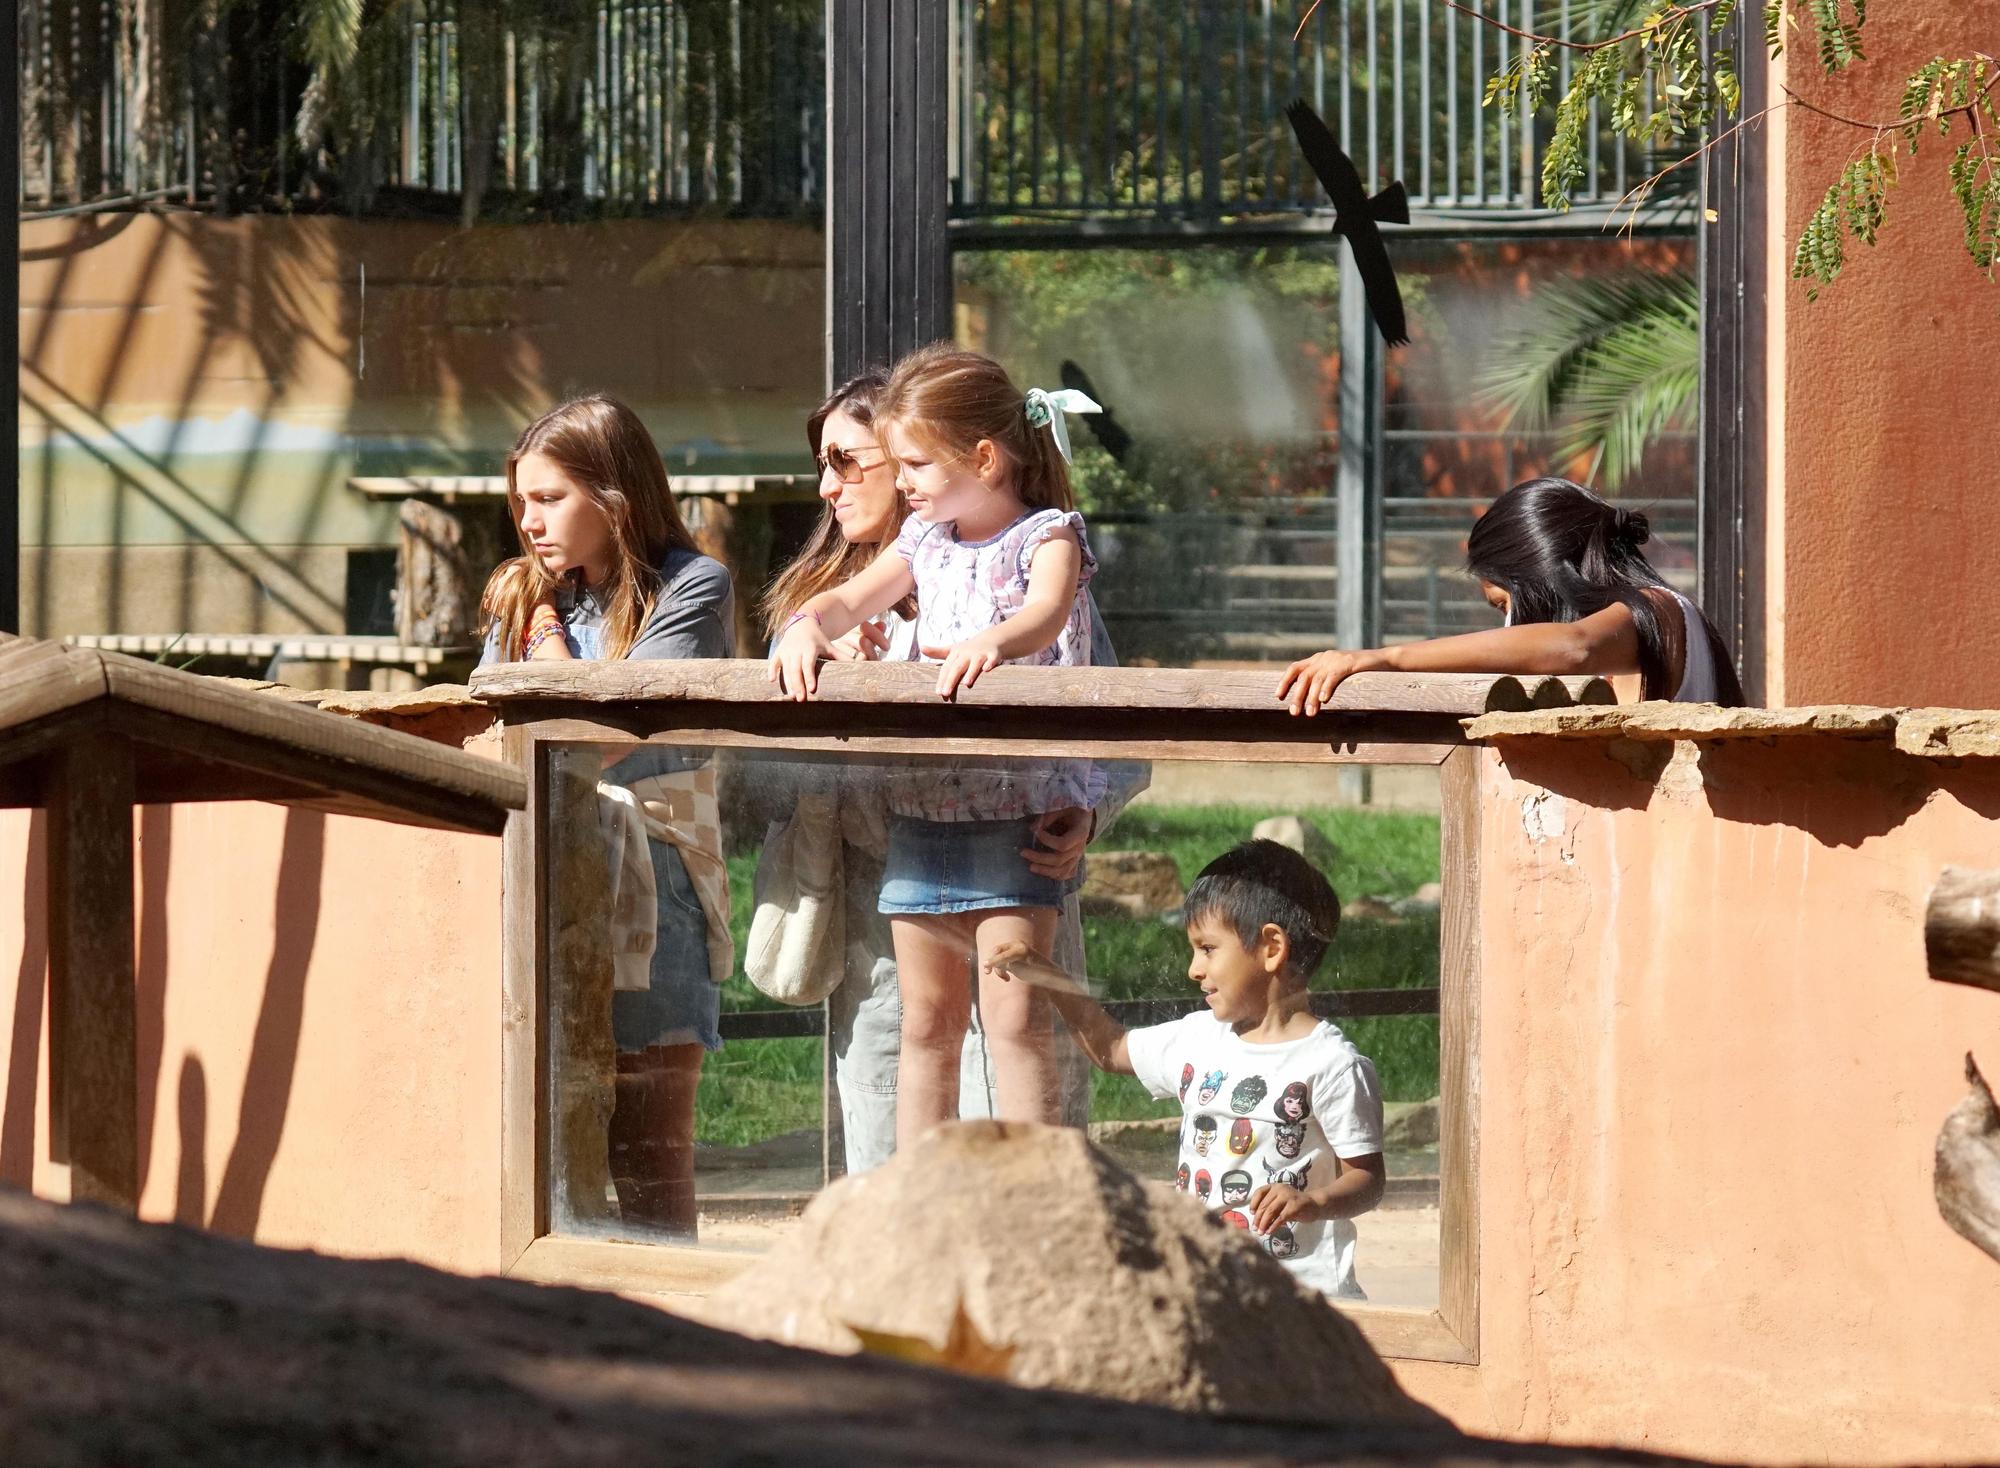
x=657 y=1140
x=1215 y=520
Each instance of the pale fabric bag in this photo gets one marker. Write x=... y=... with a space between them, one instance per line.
x=797 y=948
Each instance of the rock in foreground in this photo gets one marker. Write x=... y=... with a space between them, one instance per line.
x=1077 y=1274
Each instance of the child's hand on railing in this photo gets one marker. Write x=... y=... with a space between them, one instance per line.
x=964 y=662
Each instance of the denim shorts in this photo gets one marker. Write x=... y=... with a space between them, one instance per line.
x=681 y=1007
x=964 y=866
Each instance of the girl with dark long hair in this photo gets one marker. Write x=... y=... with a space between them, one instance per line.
x=1564 y=566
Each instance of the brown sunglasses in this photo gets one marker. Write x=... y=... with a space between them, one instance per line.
x=846 y=468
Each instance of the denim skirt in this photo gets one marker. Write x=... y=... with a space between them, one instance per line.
x=964 y=866
x=681 y=1006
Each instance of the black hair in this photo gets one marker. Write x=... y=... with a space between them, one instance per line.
x=1562 y=553
x=1263 y=882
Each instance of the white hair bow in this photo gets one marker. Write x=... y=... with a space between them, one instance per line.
x=1049 y=407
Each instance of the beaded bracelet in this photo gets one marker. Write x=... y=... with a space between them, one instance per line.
x=539 y=636
x=800 y=617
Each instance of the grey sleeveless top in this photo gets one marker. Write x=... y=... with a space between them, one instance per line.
x=1698 y=681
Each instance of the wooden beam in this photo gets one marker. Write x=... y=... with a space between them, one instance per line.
x=1962 y=928
x=93 y=1002
x=1190 y=691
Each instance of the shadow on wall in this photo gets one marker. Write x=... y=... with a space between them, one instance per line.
x=269 y=1071
x=1841 y=792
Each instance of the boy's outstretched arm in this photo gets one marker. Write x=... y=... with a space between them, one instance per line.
x=1355 y=1189
x=1101 y=1036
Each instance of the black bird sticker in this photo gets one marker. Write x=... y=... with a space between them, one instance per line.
x=1108 y=430
x=1355 y=217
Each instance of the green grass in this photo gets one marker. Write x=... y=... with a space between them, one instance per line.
x=760 y=1089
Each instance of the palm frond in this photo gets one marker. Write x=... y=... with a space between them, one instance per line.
x=1613 y=362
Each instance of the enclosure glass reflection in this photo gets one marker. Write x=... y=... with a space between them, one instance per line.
x=726 y=1013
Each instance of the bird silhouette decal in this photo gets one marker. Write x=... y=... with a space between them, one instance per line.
x=1107 y=429
x=1355 y=217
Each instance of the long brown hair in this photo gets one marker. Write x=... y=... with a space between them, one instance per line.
x=949 y=399
x=603 y=447
x=829 y=558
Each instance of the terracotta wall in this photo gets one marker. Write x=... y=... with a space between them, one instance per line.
x=319 y=1029
x=1712 y=1072
x=1883 y=533
x=196 y=392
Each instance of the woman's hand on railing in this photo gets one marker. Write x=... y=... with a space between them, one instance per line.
x=795 y=660
x=865 y=644
x=1060 y=836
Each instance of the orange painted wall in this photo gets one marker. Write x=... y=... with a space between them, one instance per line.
x=1883 y=527
x=319 y=1029
x=1712 y=1074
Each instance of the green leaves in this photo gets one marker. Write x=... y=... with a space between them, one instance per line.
x=1852 y=206
x=1944 y=92
x=1645 y=68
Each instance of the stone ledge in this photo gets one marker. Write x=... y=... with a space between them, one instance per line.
x=1676 y=721
x=1949 y=733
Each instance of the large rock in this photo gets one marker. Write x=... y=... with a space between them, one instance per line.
x=1131 y=883
x=1302 y=836
x=1071 y=1273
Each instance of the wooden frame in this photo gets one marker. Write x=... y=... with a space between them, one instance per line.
x=1112 y=713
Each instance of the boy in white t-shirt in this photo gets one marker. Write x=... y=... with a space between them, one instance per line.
x=1281 y=1118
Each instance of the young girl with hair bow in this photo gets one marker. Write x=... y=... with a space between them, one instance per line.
x=998 y=560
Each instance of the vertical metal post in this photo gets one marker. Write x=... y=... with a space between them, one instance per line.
x=888 y=260
x=1731 y=503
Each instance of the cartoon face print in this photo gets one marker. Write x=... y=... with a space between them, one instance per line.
x=1210 y=1084
x=1295 y=1103
x=1249 y=1091
x=1282 y=1242
x=1187 y=1078
x=1202 y=1185
x=1242 y=1137
x=1181 y=1178
x=1291 y=1136
x=1235 y=1219
x=1235 y=1188
x=1287 y=1177
x=1204 y=1134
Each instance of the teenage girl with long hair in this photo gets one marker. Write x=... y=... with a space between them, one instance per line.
x=608 y=570
x=1564 y=566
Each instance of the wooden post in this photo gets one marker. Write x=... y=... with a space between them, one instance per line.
x=1962 y=928
x=1962 y=944
x=441 y=567
x=93 y=1003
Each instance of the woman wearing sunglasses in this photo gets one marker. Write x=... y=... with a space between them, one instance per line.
x=864 y=511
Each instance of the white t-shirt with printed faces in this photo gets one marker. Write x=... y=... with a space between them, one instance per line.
x=1255 y=1114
